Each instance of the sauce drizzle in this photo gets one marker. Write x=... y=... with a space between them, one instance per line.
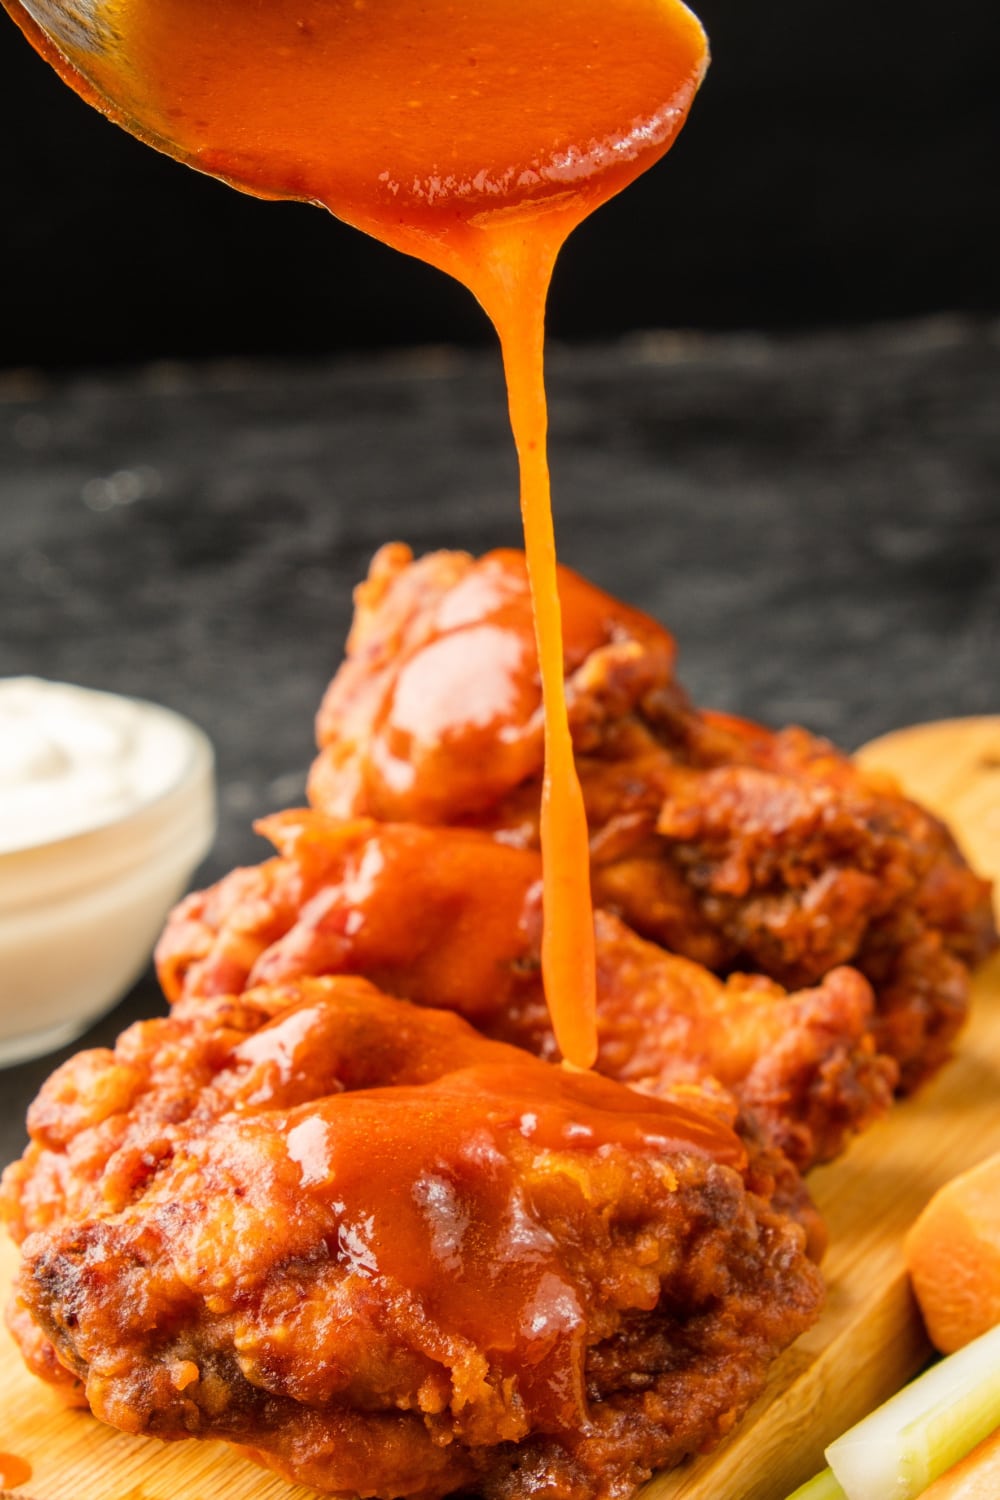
x=13 y=1471
x=472 y=135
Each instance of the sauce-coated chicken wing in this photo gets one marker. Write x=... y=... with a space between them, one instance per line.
x=390 y=1257
x=737 y=847
x=386 y=1245
x=335 y=901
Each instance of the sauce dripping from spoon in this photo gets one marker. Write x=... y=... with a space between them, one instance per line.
x=473 y=134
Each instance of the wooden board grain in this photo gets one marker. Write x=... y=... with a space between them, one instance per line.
x=868 y=1341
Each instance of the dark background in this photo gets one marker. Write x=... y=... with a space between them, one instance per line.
x=840 y=166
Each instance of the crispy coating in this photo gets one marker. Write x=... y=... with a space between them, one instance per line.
x=734 y=846
x=804 y=1064
x=390 y=1257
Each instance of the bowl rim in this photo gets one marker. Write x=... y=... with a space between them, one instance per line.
x=198 y=760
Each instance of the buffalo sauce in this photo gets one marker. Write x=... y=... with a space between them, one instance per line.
x=474 y=134
x=453 y=1190
x=13 y=1471
x=341 y=1039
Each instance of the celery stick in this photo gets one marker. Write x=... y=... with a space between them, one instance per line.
x=900 y=1449
x=821 y=1487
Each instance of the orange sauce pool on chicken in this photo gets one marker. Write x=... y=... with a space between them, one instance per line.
x=474 y=134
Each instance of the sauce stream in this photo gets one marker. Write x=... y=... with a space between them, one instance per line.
x=473 y=134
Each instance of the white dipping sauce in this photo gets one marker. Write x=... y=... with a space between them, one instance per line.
x=72 y=759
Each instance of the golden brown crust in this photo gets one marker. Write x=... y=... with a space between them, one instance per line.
x=740 y=848
x=391 y=1255
x=335 y=902
x=395 y=1258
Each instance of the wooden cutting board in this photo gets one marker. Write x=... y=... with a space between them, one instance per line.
x=868 y=1342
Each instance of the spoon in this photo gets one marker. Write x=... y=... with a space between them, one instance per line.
x=78 y=38
x=402 y=114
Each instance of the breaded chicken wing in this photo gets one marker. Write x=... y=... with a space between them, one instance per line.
x=337 y=901
x=734 y=846
x=390 y=1257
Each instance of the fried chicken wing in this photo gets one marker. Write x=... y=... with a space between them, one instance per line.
x=734 y=846
x=804 y=1064
x=435 y=716
x=390 y=1257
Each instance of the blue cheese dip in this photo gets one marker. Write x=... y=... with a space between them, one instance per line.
x=72 y=759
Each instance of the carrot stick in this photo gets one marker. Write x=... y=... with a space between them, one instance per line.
x=953 y=1256
x=976 y=1477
